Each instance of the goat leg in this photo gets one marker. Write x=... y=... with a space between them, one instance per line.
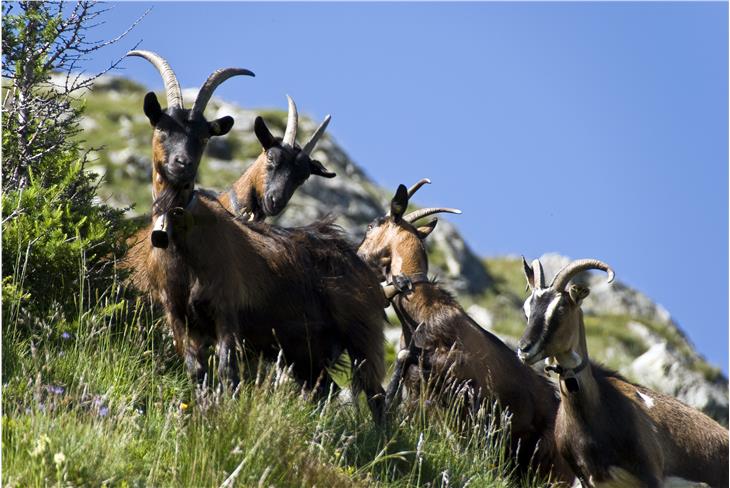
x=227 y=354
x=196 y=359
x=187 y=343
x=392 y=394
x=376 y=403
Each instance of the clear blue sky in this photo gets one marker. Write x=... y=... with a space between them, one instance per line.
x=589 y=129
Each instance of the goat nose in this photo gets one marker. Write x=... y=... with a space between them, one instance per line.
x=179 y=161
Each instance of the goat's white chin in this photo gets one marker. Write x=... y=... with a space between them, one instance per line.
x=532 y=354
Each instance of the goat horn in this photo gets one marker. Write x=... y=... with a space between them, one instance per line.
x=292 y=120
x=309 y=146
x=539 y=273
x=425 y=212
x=572 y=269
x=412 y=190
x=215 y=79
x=172 y=87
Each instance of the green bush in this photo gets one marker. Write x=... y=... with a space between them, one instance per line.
x=59 y=241
x=58 y=244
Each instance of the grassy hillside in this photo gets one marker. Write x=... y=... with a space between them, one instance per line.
x=104 y=401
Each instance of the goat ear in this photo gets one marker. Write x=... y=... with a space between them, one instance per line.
x=220 y=127
x=318 y=169
x=262 y=134
x=529 y=273
x=152 y=108
x=399 y=204
x=578 y=293
x=425 y=230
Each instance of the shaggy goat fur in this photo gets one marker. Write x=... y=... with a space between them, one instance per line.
x=302 y=290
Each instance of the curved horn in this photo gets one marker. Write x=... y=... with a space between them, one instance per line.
x=425 y=212
x=539 y=273
x=309 y=146
x=290 y=134
x=172 y=87
x=215 y=79
x=572 y=269
x=412 y=190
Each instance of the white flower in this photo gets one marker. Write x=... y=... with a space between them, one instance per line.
x=59 y=458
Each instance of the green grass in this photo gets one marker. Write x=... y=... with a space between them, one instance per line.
x=105 y=401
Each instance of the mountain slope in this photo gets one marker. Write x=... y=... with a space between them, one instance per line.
x=627 y=331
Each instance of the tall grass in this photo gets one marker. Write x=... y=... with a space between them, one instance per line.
x=105 y=401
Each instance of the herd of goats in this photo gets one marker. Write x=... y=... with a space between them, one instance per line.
x=225 y=278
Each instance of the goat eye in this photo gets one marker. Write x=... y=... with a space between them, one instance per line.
x=370 y=227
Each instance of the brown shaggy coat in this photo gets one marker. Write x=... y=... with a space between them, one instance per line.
x=303 y=290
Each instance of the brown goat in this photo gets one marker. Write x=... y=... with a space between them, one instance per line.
x=178 y=141
x=451 y=350
x=613 y=432
x=301 y=290
x=232 y=284
x=269 y=183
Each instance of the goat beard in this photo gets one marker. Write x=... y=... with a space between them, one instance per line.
x=169 y=198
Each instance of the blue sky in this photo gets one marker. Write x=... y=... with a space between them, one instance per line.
x=589 y=129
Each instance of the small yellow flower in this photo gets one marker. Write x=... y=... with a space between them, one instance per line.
x=59 y=458
x=184 y=406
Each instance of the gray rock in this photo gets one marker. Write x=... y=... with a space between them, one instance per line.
x=666 y=369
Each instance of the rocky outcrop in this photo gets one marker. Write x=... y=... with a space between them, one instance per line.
x=672 y=370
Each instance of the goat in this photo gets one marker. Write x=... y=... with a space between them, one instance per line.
x=447 y=347
x=230 y=283
x=301 y=290
x=269 y=183
x=611 y=431
x=178 y=141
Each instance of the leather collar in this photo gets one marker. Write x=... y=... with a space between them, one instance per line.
x=404 y=283
x=568 y=375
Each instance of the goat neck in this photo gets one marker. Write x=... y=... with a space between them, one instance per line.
x=411 y=266
x=244 y=199
x=578 y=387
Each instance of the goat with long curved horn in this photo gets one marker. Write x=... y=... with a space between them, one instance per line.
x=178 y=141
x=215 y=79
x=172 y=87
x=648 y=445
